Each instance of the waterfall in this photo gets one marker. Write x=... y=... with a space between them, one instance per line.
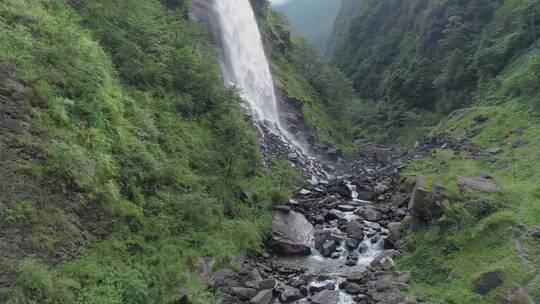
x=243 y=60
x=244 y=66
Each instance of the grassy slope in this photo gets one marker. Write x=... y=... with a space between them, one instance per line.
x=297 y=68
x=134 y=120
x=448 y=256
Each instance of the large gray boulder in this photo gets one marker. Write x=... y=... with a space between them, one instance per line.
x=263 y=297
x=478 y=182
x=423 y=205
x=243 y=293
x=355 y=229
x=326 y=297
x=292 y=233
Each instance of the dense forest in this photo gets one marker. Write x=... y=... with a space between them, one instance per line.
x=420 y=60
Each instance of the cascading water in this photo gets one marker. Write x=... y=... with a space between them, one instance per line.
x=244 y=64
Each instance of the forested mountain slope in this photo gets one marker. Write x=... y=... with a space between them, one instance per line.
x=124 y=159
x=420 y=59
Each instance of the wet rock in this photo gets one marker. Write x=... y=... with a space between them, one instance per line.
x=346 y=208
x=318 y=288
x=352 y=243
x=352 y=288
x=487 y=282
x=355 y=229
x=321 y=236
x=335 y=255
x=334 y=214
x=292 y=233
x=290 y=294
x=263 y=297
x=355 y=276
x=513 y=296
x=328 y=247
x=340 y=187
x=366 y=195
x=243 y=293
x=261 y=284
x=478 y=182
x=370 y=214
x=325 y=297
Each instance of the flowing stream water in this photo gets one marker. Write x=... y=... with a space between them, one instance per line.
x=244 y=66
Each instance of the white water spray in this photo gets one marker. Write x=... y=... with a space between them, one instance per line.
x=245 y=64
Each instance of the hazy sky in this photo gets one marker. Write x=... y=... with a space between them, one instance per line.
x=279 y=2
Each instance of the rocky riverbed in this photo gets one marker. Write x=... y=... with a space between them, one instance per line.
x=336 y=241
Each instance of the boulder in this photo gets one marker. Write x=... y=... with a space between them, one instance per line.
x=487 y=282
x=326 y=297
x=387 y=263
x=423 y=205
x=366 y=195
x=370 y=214
x=261 y=284
x=223 y=278
x=290 y=294
x=394 y=234
x=346 y=208
x=355 y=230
x=292 y=233
x=263 y=297
x=340 y=187
x=243 y=293
x=328 y=247
x=352 y=288
x=334 y=214
x=479 y=182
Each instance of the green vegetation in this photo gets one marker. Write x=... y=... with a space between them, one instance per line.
x=413 y=62
x=477 y=233
x=133 y=121
x=302 y=74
